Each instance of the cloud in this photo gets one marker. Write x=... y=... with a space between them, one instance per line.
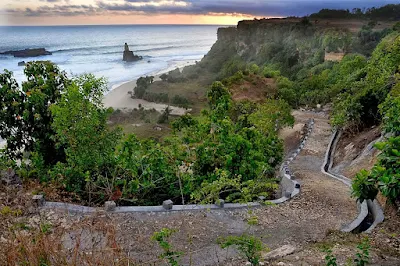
x=257 y=8
x=51 y=1
x=58 y=10
x=55 y=1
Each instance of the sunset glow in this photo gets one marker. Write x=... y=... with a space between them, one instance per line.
x=129 y=19
x=221 y=12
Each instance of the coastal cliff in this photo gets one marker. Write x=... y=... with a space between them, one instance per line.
x=291 y=50
x=291 y=44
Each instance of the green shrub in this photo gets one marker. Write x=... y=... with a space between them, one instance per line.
x=180 y=101
x=330 y=260
x=168 y=254
x=175 y=76
x=362 y=255
x=254 y=69
x=250 y=246
x=364 y=186
x=385 y=175
x=231 y=67
x=164 y=77
x=156 y=97
x=269 y=72
x=396 y=27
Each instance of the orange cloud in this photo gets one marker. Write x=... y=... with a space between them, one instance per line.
x=215 y=19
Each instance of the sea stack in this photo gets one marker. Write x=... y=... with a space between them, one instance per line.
x=129 y=56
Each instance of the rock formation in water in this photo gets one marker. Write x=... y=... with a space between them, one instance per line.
x=28 y=52
x=129 y=56
x=22 y=63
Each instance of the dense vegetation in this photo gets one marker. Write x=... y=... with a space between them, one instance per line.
x=361 y=86
x=141 y=91
x=387 y=12
x=59 y=132
x=385 y=175
x=356 y=84
x=58 y=125
x=230 y=151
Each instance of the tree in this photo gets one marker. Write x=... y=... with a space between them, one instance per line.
x=385 y=175
x=142 y=84
x=287 y=92
x=81 y=128
x=165 y=115
x=219 y=99
x=364 y=90
x=25 y=117
x=271 y=116
x=164 y=77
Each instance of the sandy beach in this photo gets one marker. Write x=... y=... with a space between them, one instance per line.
x=119 y=97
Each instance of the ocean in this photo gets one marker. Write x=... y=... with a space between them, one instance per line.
x=99 y=49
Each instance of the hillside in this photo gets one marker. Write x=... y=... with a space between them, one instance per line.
x=295 y=47
x=292 y=144
x=306 y=224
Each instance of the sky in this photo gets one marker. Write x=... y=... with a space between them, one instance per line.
x=217 y=12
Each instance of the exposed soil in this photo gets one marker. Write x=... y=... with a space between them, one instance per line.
x=355 y=152
x=305 y=222
x=351 y=155
x=253 y=88
x=335 y=57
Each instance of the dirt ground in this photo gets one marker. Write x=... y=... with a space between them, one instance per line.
x=253 y=88
x=307 y=222
x=352 y=153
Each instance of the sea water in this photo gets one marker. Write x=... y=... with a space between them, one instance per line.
x=99 y=49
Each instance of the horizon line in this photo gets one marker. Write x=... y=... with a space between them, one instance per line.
x=139 y=24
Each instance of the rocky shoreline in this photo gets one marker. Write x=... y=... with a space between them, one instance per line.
x=28 y=52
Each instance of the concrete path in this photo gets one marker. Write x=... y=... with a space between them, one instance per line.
x=324 y=204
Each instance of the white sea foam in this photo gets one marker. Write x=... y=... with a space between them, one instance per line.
x=98 y=49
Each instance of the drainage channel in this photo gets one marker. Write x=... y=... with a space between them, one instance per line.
x=370 y=212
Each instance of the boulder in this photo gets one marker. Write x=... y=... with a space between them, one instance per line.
x=22 y=63
x=129 y=56
x=279 y=253
x=28 y=52
x=38 y=200
x=168 y=205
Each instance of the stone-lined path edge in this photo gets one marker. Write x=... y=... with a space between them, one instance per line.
x=289 y=188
